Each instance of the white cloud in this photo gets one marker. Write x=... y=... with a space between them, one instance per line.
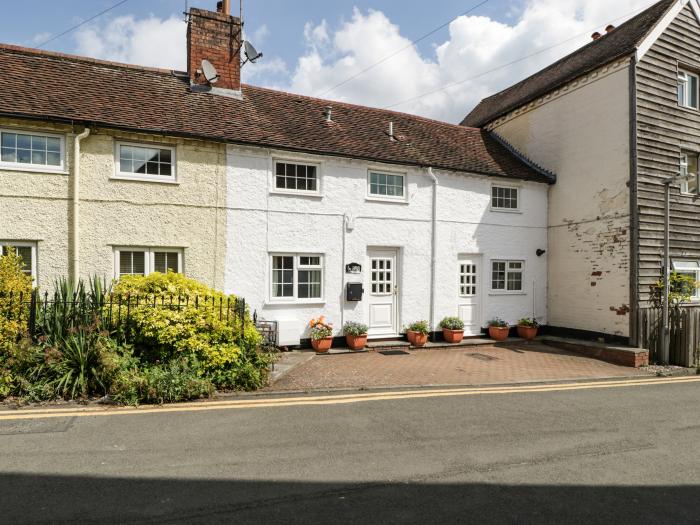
x=40 y=38
x=150 y=42
x=476 y=44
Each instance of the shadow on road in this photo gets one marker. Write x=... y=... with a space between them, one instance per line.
x=56 y=499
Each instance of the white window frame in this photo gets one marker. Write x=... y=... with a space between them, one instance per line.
x=295 y=278
x=163 y=179
x=387 y=198
x=37 y=168
x=518 y=196
x=302 y=162
x=684 y=164
x=685 y=266
x=683 y=76
x=508 y=262
x=149 y=258
x=24 y=244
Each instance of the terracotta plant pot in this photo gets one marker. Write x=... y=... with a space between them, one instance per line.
x=411 y=336
x=356 y=342
x=499 y=333
x=453 y=336
x=527 y=332
x=419 y=340
x=322 y=345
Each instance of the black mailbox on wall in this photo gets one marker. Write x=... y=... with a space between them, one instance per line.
x=354 y=292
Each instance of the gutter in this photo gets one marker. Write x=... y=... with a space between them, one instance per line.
x=433 y=249
x=74 y=233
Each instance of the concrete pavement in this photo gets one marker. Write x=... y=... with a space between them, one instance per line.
x=621 y=454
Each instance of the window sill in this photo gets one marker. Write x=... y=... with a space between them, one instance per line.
x=506 y=210
x=387 y=200
x=494 y=294
x=290 y=193
x=33 y=169
x=144 y=179
x=314 y=302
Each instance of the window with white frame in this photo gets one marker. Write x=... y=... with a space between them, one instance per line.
x=297 y=277
x=26 y=252
x=691 y=269
x=505 y=198
x=32 y=151
x=143 y=261
x=687 y=89
x=387 y=185
x=467 y=280
x=297 y=178
x=156 y=163
x=689 y=170
x=507 y=276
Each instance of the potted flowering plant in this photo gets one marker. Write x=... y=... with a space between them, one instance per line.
x=355 y=335
x=418 y=333
x=452 y=329
x=527 y=328
x=321 y=334
x=498 y=329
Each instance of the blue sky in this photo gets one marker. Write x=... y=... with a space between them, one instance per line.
x=311 y=45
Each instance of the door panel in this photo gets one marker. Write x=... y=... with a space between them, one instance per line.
x=469 y=302
x=383 y=293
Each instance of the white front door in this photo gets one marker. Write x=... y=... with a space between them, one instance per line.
x=469 y=302
x=383 y=293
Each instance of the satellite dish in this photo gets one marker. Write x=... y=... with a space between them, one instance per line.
x=209 y=72
x=251 y=54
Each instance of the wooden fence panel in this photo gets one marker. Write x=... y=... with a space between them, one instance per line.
x=684 y=326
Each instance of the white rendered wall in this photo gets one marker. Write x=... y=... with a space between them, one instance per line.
x=261 y=222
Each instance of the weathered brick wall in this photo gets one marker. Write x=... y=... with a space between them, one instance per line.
x=216 y=38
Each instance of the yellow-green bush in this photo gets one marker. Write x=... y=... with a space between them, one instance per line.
x=194 y=327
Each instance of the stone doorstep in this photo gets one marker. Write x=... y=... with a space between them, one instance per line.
x=380 y=346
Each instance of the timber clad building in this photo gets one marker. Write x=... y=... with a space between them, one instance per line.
x=289 y=201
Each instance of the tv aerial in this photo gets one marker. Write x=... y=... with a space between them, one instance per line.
x=251 y=54
x=209 y=72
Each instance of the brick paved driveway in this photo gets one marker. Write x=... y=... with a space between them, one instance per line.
x=516 y=363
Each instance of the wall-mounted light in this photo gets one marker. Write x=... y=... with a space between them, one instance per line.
x=540 y=252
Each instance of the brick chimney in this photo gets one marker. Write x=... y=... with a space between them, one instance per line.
x=215 y=37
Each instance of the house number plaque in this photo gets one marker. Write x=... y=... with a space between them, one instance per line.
x=354 y=268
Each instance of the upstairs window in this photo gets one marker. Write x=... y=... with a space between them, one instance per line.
x=687 y=89
x=507 y=276
x=142 y=261
x=391 y=186
x=296 y=178
x=26 y=252
x=146 y=162
x=31 y=151
x=504 y=198
x=689 y=168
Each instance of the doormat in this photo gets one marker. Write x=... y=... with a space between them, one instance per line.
x=394 y=352
x=482 y=357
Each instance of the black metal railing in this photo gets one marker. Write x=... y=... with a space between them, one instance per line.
x=39 y=313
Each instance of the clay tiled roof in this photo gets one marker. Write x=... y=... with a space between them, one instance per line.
x=621 y=42
x=51 y=86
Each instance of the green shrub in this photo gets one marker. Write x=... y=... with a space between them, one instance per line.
x=14 y=283
x=452 y=323
x=528 y=322
x=352 y=328
x=419 y=326
x=498 y=323
x=158 y=384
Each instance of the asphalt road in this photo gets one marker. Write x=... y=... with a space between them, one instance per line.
x=617 y=455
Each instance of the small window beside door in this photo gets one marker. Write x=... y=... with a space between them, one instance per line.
x=689 y=172
x=688 y=89
x=507 y=276
x=142 y=261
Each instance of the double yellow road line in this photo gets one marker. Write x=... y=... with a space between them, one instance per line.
x=332 y=399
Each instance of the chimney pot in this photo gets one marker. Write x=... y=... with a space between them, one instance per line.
x=596 y=35
x=329 y=113
x=610 y=28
